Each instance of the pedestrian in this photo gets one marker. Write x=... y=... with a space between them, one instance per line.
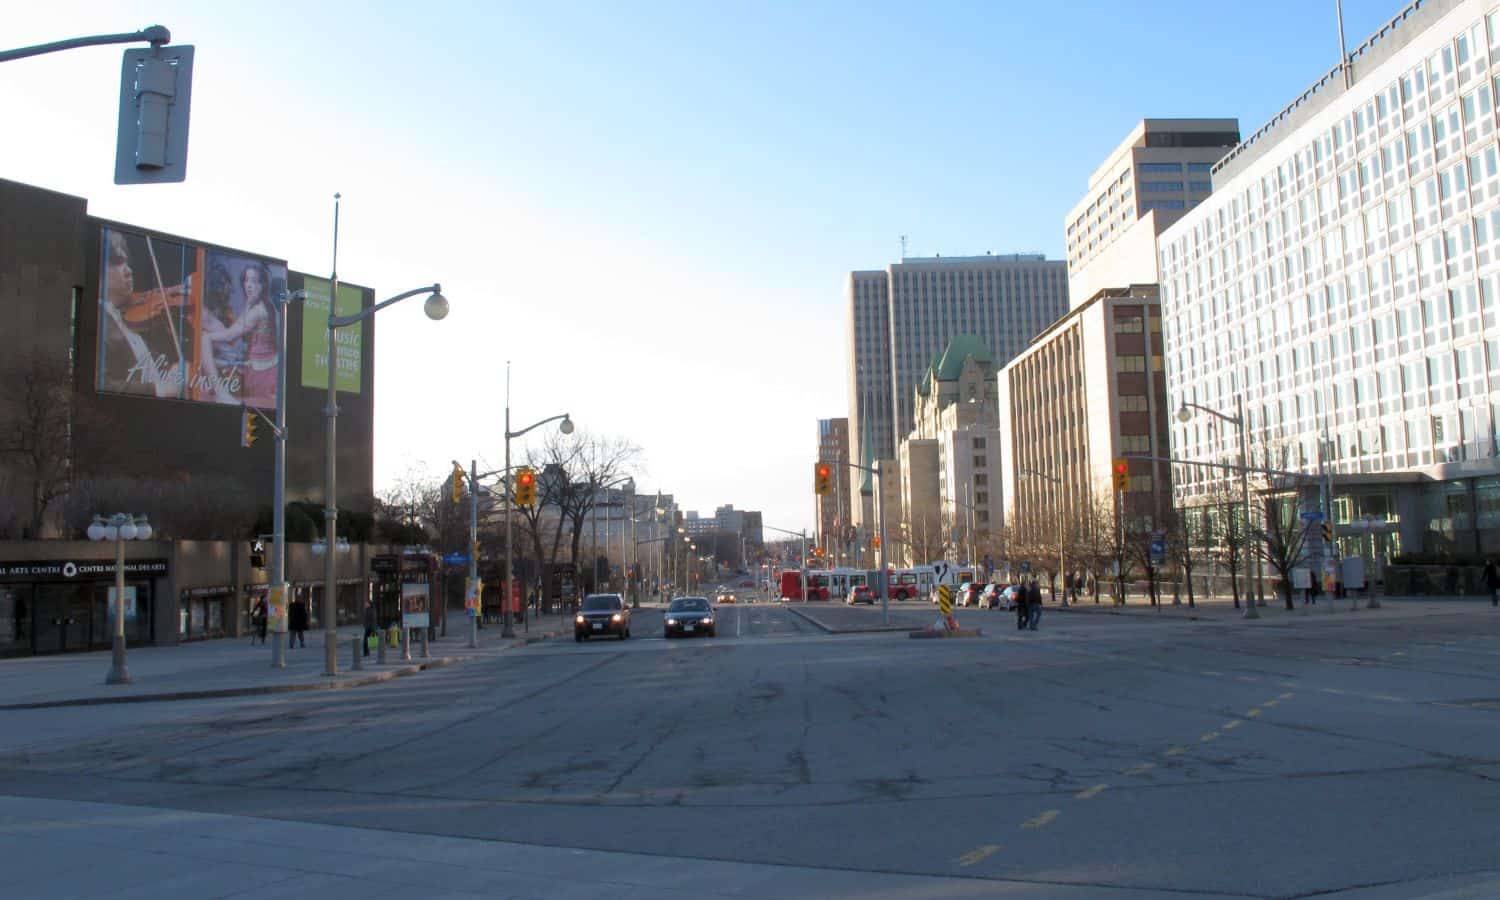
x=297 y=623
x=258 y=615
x=1034 y=612
x=1492 y=581
x=1023 y=605
x=371 y=623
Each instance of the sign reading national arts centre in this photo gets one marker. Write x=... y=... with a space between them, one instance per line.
x=185 y=322
x=78 y=570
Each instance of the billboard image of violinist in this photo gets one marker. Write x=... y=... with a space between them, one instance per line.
x=186 y=323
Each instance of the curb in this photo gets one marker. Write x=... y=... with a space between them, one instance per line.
x=332 y=685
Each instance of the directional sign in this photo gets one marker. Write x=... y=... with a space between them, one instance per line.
x=1158 y=551
x=456 y=559
x=1312 y=515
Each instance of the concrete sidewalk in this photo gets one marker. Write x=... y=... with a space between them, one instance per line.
x=233 y=667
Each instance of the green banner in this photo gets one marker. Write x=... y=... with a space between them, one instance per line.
x=315 y=336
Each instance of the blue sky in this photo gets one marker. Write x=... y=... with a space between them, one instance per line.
x=648 y=207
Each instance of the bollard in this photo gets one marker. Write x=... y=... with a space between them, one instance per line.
x=359 y=657
x=425 y=654
x=406 y=645
x=380 y=649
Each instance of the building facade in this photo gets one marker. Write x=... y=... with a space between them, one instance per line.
x=867 y=299
x=1147 y=183
x=1343 y=284
x=833 y=512
x=1086 y=392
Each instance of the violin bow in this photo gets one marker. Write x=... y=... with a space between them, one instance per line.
x=161 y=297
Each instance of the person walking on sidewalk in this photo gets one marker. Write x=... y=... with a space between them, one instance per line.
x=1492 y=582
x=297 y=623
x=258 y=620
x=370 y=623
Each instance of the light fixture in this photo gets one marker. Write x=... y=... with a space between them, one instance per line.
x=1183 y=413
x=436 y=306
x=566 y=427
x=96 y=530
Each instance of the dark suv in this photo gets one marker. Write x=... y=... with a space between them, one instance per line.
x=602 y=614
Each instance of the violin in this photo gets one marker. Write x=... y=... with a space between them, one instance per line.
x=147 y=305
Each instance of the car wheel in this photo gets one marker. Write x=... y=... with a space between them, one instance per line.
x=579 y=637
x=713 y=632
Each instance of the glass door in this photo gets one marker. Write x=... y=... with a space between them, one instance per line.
x=15 y=619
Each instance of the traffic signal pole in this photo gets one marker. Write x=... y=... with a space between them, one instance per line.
x=473 y=583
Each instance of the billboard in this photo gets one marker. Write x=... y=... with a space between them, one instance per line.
x=350 y=339
x=185 y=322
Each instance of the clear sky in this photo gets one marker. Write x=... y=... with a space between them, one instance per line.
x=648 y=207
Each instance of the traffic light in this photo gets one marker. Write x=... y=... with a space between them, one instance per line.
x=458 y=482
x=1121 y=470
x=247 y=428
x=822 y=479
x=257 y=555
x=1327 y=532
x=877 y=542
x=525 y=487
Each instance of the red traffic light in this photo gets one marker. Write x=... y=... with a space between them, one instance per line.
x=824 y=471
x=526 y=478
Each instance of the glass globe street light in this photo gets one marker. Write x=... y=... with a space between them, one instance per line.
x=120 y=527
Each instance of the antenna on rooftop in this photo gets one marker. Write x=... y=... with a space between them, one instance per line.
x=903 y=246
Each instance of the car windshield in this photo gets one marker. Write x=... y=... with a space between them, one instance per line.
x=601 y=603
x=689 y=604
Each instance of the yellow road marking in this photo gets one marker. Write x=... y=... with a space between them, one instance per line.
x=978 y=854
x=1090 y=793
x=1043 y=819
x=1270 y=703
x=1231 y=725
x=1139 y=769
x=1177 y=751
x=1288 y=695
x=1211 y=736
x=1253 y=713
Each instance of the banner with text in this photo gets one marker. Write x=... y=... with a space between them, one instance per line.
x=184 y=322
x=350 y=339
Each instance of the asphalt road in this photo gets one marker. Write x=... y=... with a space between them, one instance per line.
x=1104 y=753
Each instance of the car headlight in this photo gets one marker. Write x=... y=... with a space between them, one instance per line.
x=615 y=617
x=708 y=620
x=579 y=620
x=671 y=621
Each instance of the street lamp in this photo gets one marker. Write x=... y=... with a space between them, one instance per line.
x=594 y=525
x=1184 y=414
x=1062 y=561
x=120 y=527
x=566 y=427
x=436 y=307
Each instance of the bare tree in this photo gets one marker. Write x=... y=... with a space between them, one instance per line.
x=1184 y=534
x=921 y=536
x=201 y=507
x=38 y=410
x=1228 y=514
x=1280 y=540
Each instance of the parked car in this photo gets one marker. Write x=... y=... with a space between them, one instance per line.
x=1010 y=596
x=689 y=615
x=992 y=596
x=860 y=593
x=968 y=593
x=602 y=614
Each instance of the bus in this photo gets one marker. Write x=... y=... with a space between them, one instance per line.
x=919 y=581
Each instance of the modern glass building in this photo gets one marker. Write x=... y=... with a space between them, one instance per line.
x=1343 y=281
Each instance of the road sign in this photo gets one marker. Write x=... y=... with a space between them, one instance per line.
x=1025 y=567
x=1312 y=515
x=945 y=600
x=456 y=559
x=1158 y=551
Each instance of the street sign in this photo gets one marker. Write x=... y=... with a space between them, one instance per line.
x=1158 y=551
x=156 y=89
x=1312 y=515
x=945 y=600
x=456 y=559
x=1025 y=567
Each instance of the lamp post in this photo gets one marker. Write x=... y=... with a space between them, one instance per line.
x=566 y=427
x=120 y=527
x=1184 y=414
x=1062 y=561
x=436 y=308
x=277 y=574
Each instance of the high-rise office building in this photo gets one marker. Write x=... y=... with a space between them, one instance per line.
x=1158 y=173
x=868 y=300
x=1342 y=285
x=833 y=511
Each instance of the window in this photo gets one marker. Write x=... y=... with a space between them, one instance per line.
x=1204 y=186
x=1130 y=364
x=1161 y=187
x=1160 y=168
x=1200 y=167
x=979 y=443
x=1133 y=403
x=1163 y=204
x=979 y=462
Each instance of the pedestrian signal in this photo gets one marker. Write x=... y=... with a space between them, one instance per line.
x=1121 y=470
x=525 y=487
x=247 y=428
x=822 y=479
